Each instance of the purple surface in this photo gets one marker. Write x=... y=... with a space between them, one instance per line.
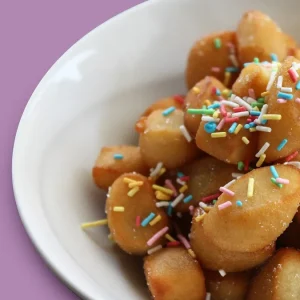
x=34 y=34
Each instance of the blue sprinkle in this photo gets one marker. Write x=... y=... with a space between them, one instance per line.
x=188 y=199
x=168 y=111
x=147 y=220
x=274 y=57
x=180 y=174
x=118 y=156
x=282 y=144
x=232 y=127
x=170 y=209
x=218 y=93
x=274 y=172
x=250 y=125
x=254 y=113
x=232 y=69
x=285 y=96
x=214 y=106
x=264 y=122
x=239 y=203
x=210 y=127
x=246 y=126
x=298 y=85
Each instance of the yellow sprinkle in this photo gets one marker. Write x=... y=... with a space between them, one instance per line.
x=218 y=134
x=250 y=187
x=162 y=196
x=227 y=77
x=192 y=253
x=162 y=189
x=133 y=191
x=128 y=180
x=162 y=171
x=255 y=108
x=94 y=224
x=134 y=184
x=225 y=92
x=207 y=208
x=252 y=129
x=265 y=94
x=196 y=90
x=216 y=114
x=200 y=217
x=207 y=102
x=261 y=160
x=155 y=220
x=119 y=208
x=183 y=188
x=169 y=238
x=271 y=117
x=245 y=140
x=238 y=128
x=110 y=237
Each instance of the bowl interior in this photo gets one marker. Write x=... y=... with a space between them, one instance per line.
x=91 y=98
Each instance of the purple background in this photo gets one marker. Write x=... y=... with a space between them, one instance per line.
x=34 y=34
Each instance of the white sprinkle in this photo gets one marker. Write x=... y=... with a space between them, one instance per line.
x=227 y=185
x=263 y=128
x=222 y=273
x=202 y=205
x=180 y=181
x=232 y=97
x=236 y=175
x=296 y=164
x=233 y=59
x=210 y=119
x=229 y=103
x=177 y=200
x=185 y=133
x=162 y=204
x=250 y=100
x=157 y=169
x=286 y=89
x=263 y=111
x=262 y=149
x=154 y=249
x=279 y=82
x=241 y=102
x=271 y=80
x=296 y=66
x=208 y=296
x=241 y=114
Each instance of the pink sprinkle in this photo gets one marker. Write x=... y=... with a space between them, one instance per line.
x=216 y=69
x=210 y=197
x=170 y=185
x=157 y=236
x=231 y=120
x=293 y=74
x=191 y=208
x=282 y=180
x=213 y=90
x=297 y=100
x=138 y=221
x=184 y=241
x=223 y=110
x=220 y=98
x=251 y=93
x=281 y=100
x=221 y=124
x=179 y=99
x=224 y=205
x=226 y=191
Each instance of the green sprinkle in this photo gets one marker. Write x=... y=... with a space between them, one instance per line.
x=273 y=180
x=240 y=166
x=214 y=202
x=261 y=100
x=256 y=60
x=217 y=43
x=195 y=111
x=258 y=104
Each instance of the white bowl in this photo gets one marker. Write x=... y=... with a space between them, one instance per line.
x=91 y=98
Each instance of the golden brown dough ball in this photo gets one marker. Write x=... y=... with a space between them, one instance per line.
x=133 y=238
x=259 y=36
x=204 y=90
x=163 y=141
x=233 y=286
x=211 y=56
x=279 y=279
x=108 y=168
x=172 y=274
x=265 y=213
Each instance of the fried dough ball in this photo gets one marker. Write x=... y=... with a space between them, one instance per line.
x=176 y=101
x=291 y=45
x=233 y=286
x=107 y=169
x=230 y=149
x=206 y=175
x=197 y=97
x=215 y=258
x=289 y=126
x=212 y=51
x=258 y=36
x=254 y=77
x=162 y=140
x=172 y=274
x=122 y=225
x=279 y=279
x=262 y=217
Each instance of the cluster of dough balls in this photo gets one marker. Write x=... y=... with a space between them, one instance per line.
x=213 y=187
